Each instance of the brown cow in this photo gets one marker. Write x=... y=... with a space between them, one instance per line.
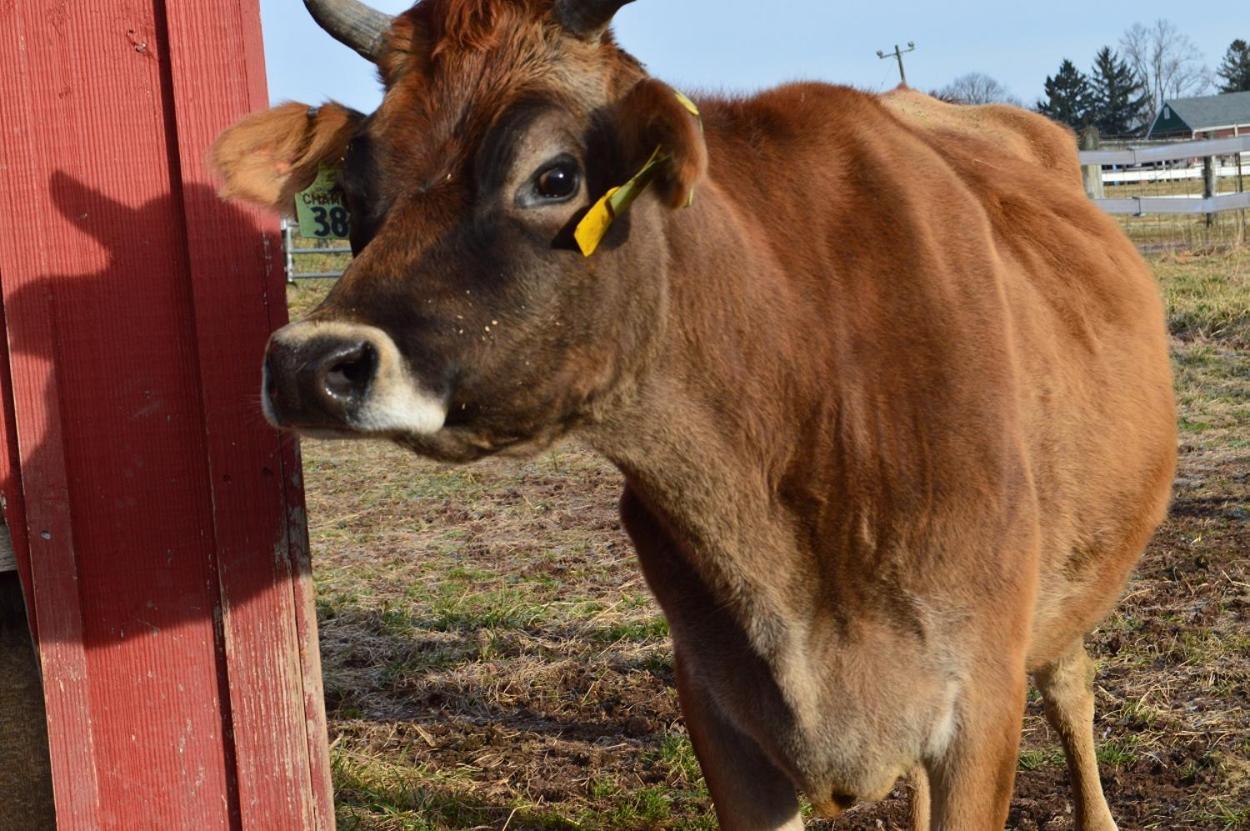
x=891 y=399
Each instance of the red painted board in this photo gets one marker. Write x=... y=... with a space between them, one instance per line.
x=239 y=289
x=168 y=567
x=109 y=421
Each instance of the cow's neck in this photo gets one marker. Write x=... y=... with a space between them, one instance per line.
x=713 y=440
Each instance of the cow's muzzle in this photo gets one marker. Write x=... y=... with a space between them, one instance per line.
x=344 y=378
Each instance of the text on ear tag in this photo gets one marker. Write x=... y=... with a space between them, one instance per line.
x=321 y=207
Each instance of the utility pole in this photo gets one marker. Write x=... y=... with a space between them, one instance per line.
x=899 y=53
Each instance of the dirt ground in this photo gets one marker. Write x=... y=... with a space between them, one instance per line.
x=493 y=660
x=25 y=771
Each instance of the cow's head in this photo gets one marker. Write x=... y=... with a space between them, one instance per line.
x=469 y=321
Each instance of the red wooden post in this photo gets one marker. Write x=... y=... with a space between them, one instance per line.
x=167 y=548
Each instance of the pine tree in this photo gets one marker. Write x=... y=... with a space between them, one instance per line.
x=1067 y=96
x=1235 y=70
x=1119 y=100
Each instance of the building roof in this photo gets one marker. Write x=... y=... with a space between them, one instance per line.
x=1204 y=113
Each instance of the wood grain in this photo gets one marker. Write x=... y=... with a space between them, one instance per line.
x=164 y=519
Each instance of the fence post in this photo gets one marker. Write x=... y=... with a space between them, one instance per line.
x=1241 y=188
x=1091 y=174
x=289 y=250
x=1208 y=183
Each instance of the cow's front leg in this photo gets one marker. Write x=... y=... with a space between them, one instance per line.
x=972 y=778
x=749 y=792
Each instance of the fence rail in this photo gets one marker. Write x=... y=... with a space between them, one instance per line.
x=293 y=252
x=1178 y=195
x=1134 y=156
x=1170 y=174
x=1142 y=205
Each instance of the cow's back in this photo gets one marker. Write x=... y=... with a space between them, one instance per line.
x=1013 y=131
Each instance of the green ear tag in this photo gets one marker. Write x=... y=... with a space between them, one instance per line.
x=321 y=208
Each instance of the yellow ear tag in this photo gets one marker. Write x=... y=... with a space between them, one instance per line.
x=598 y=220
x=688 y=104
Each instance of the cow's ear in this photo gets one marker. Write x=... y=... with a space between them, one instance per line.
x=269 y=157
x=654 y=115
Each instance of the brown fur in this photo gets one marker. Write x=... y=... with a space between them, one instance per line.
x=1027 y=136
x=649 y=117
x=892 y=400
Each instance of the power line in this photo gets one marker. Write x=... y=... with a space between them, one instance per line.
x=899 y=53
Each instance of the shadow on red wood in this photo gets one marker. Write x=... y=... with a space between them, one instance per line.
x=118 y=611
x=158 y=591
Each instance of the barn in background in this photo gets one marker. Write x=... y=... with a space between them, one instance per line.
x=156 y=521
x=1207 y=117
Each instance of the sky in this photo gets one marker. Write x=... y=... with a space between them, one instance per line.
x=746 y=45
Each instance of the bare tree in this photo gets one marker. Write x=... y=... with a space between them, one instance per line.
x=1167 y=59
x=976 y=88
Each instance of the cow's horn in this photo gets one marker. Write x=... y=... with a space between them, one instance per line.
x=587 y=18
x=353 y=24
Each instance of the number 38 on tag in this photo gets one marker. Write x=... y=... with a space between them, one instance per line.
x=321 y=208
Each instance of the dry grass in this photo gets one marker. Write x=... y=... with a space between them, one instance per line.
x=493 y=659
x=1162 y=233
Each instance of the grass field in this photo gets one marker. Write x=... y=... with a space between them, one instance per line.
x=493 y=659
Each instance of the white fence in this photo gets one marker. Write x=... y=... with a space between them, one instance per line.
x=1156 y=164
x=294 y=254
x=1171 y=174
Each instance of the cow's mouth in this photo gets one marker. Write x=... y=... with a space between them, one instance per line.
x=452 y=444
x=462 y=443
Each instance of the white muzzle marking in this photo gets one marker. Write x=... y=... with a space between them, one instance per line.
x=396 y=402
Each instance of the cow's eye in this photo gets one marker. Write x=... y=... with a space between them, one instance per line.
x=557 y=182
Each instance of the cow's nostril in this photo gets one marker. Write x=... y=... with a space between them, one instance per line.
x=347 y=372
